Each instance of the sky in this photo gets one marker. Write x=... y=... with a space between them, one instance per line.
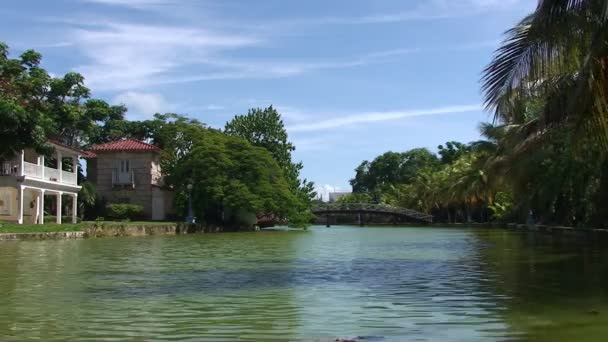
x=352 y=78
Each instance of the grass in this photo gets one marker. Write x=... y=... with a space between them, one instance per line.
x=53 y=227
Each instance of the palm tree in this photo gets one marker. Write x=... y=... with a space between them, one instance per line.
x=558 y=55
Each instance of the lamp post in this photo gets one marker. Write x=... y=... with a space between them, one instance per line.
x=191 y=218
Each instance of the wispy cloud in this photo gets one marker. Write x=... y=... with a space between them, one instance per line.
x=370 y=117
x=134 y=56
x=128 y=56
x=242 y=69
x=214 y=107
x=427 y=10
x=139 y=4
x=143 y=105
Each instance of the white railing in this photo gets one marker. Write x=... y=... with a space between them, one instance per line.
x=51 y=174
x=69 y=177
x=33 y=170
x=9 y=168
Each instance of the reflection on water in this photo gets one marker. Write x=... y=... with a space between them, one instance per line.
x=395 y=284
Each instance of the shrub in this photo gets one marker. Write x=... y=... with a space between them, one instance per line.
x=124 y=212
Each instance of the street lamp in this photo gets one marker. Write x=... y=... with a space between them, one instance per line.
x=191 y=218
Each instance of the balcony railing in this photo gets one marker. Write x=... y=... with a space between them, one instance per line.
x=33 y=170
x=69 y=178
x=123 y=178
x=51 y=174
x=11 y=168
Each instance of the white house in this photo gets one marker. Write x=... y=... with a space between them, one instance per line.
x=25 y=181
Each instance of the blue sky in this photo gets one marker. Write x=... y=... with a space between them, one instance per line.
x=352 y=78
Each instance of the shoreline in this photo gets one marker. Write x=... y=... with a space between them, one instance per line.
x=138 y=229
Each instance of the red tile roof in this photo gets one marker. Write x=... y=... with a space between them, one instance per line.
x=125 y=145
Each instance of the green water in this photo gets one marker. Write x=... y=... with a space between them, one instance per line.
x=388 y=284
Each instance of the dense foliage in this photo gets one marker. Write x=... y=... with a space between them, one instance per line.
x=264 y=128
x=544 y=157
x=233 y=181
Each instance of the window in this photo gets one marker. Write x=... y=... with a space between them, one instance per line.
x=124 y=166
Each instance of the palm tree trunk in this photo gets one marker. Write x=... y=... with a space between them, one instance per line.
x=467 y=211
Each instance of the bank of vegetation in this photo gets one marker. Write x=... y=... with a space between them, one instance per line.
x=233 y=175
x=543 y=158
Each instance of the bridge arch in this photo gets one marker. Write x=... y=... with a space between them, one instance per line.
x=366 y=208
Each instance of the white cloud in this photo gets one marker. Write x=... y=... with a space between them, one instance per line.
x=140 y=4
x=369 y=117
x=214 y=107
x=130 y=56
x=427 y=10
x=243 y=69
x=142 y=105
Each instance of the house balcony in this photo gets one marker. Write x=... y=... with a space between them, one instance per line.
x=38 y=172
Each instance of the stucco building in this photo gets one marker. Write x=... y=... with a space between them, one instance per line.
x=29 y=178
x=129 y=171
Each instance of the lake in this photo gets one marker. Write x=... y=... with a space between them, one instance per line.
x=385 y=284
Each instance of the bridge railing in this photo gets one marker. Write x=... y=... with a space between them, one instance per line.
x=379 y=208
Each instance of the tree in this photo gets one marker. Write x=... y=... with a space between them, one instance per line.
x=232 y=180
x=391 y=168
x=35 y=107
x=23 y=87
x=264 y=128
x=452 y=151
x=557 y=55
x=355 y=198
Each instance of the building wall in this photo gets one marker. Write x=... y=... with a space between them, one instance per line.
x=147 y=175
x=8 y=203
x=156 y=171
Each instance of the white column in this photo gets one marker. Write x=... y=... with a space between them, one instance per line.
x=60 y=166
x=20 y=205
x=41 y=213
x=74 y=208
x=42 y=168
x=59 y=207
x=75 y=164
x=37 y=213
x=22 y=163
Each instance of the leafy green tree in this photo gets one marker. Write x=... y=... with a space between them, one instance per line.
x=232 y=180
x=23 y=86
x=355 y=198
x=391 y=168
x=264 y=128
x=35 y=107
x=452 y=151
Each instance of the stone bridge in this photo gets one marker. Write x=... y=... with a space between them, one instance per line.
x=365 y=208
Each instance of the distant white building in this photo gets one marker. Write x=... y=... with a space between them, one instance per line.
x=335 y=196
